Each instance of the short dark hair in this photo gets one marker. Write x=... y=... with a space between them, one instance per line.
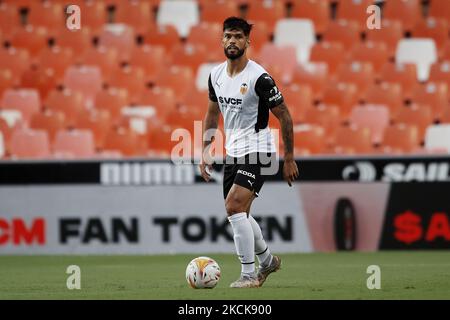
x=237 y=23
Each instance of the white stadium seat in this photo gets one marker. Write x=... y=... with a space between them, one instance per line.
x=437 y=138
x=201 y=82
x=183 y=14
x=420 y=51
x=299 y=33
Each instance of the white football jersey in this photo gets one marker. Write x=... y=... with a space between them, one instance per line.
x=245 y=101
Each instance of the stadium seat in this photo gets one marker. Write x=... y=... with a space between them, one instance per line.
x=159 y=139
x=401 y=137
x=79 y=41
x=299 y=100
x=439 y=9
x=98 y=121
x=70 y=103
x=404 y=74
x=14 y=59
x=206 y=34
x=203 y=73
x=354 y=10
x=316 y=10
x=434 y=94
x=360 y=74
x=315 y=75
x=176 y=77
x=216 y=11
x=284 y=57
x=421 y=52
x=137 y=14
x=267 y=11
x=151 y=58
x=298 y=33
x=440 y=72
x=57 y=59
x=43 y=80
x=79 y=143
x=107 y=59
x=436 y=29
x=165 y=35
x=259 y=36
x=46 y=14
x=181 y=14
x=388 y=94
x=326 y=116
x=374 y=117
x=163 y=99
x=31 y=38
x=390 y=33
x=309 y=137
x=112 y=100
x=29 y=144
x=9 y=18
x=406 y=11
x=372 y=52
x=123 y=140
x=7 y=80
x=94 y=16
x=342 y=31
x=50 y=121
x=342 y=94
x=420 y=116
x=132 y=79
x=196 y=99
x=27 y=101
x=332 y=53
x=184 y=117
x=353 y=139
x=6 y=132
x=436 y=138
x=120 y=37
x=85 y=79
x=188 y=55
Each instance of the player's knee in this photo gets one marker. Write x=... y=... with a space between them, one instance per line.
x=235 y=205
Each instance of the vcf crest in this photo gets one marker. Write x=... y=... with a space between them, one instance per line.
x=244 y=88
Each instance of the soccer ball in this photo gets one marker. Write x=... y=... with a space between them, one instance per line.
x=203 y=272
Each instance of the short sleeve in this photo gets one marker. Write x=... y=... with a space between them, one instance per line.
x=212 y=93
x=268 y=92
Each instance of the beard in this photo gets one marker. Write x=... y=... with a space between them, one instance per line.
x=234 y=56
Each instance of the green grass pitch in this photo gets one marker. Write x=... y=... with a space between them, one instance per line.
x=404 y=275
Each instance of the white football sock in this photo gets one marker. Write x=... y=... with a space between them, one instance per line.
x=261 y=248
x=244 y=241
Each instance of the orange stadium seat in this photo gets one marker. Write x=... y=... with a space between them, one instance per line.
x=27 y=101
x=259 y=36
x=132 y=79
x=360 y=74
x=50 y=15
x=70 y=103
x=163 y=99
x=50 y=121
x=316 y=10
x=342 y=94
x=332 y=53
x=197 y=98
x=434 y=28
x=85 y=79
x=315 y=75
x=188 y=55
x=138 y=15
x=310 y=138
x=439 y=9
x=33 y=39
x=420 y=116
x=78 y=143
x=120 y=37
x=354 y=10
x=268 y=11
x=79 y=41
x=184 y=118
x=388 y=94
x=446 y=116
x=107 y=59
x=284 y=57
x=404 y=74
x=98 y=121
x=406 y=11
x=299 y=100
x=94 y=15
x=342 y=31
x=164 y=35
x=176 y=77
x=159 y=139
x=152 y=59
x=390 y=33
x=206 y=34
x=57 y=59
x=14 y=59
x=29 y=144
x=123 y=140
x=434 y=94
x=327 y=116
x=401 y=138
x=9 y=18
x=40 y=79
x=372 y=52
x=217 y=11
x=374 y=117
x=112 y=100
x=7 y=80
x=440 y=72
x=353 y=139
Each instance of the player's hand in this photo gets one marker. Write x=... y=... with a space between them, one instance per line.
x=290 y=171
x=203 y=171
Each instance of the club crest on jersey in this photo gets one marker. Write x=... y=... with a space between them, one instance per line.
x=244 y=88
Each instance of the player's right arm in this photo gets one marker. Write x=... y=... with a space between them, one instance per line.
x=210 y=123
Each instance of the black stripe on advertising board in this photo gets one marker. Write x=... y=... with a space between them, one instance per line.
x=358 y=169
x=417 y=217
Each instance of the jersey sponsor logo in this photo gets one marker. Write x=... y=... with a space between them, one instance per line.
x=248 y=174
x=275 y=94
x=244 y=88
x=232 y=101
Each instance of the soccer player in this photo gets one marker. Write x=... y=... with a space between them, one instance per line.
x=244 y=93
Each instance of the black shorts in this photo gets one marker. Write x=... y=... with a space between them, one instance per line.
x=246 y=171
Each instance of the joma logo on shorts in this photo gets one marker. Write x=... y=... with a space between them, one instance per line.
x=248 y=174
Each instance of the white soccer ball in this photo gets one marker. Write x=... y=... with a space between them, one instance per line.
x=203 y=272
